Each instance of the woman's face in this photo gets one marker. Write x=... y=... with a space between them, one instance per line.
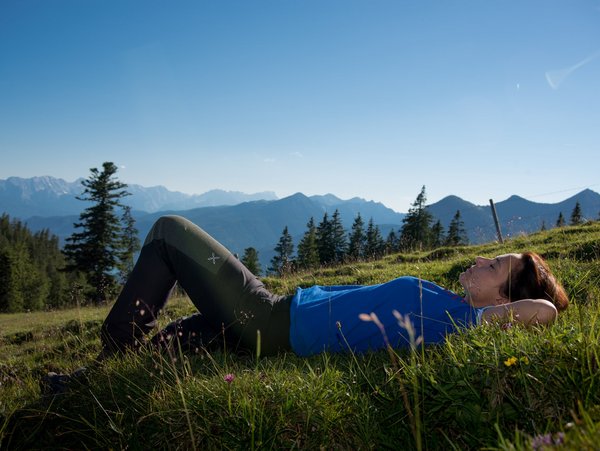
x=483 y=280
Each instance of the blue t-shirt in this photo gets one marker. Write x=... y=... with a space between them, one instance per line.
x=327 y=318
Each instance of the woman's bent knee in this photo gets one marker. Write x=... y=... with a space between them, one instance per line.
x=168 y=226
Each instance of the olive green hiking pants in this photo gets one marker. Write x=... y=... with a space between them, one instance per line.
x=233 y=304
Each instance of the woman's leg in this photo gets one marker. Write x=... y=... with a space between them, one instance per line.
x=228 y=296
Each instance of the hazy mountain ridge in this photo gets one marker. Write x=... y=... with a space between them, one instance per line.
x=50 y=196
x=43 y=196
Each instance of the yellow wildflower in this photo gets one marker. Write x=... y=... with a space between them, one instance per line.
x=510 y=361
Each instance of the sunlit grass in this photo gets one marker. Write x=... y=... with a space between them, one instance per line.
x=488 y=387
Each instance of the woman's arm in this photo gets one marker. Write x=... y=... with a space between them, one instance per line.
x=525 y=311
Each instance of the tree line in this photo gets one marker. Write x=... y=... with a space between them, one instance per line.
x=31 y=269
x=36 y=274
x=328 y=243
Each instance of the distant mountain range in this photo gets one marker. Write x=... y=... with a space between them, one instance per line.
x=241 y=220
x=49 y=196
x=516 y=214
x=238 y=222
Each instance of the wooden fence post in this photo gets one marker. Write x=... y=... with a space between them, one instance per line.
x=495 y=215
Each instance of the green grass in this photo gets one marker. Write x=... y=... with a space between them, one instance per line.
x=487 y=388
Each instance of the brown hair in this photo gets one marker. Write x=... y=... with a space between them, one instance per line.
x=535 y=281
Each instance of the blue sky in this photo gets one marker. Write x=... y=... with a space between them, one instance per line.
x=481 y=99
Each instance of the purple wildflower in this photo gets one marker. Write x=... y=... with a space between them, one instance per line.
x=229 y=378
x=541 y=440
x=559 y=438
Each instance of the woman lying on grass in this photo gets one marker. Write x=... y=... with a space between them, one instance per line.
x=234 y=305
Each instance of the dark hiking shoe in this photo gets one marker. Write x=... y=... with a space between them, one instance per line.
x=58 y=384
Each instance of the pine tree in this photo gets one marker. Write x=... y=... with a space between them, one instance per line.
x=356 y=246
x=576 y=215
x=457 y=234
x=130 y=244
x=251 y=261
x=51 y=262
x=58 y=295
x=543 y=226
x=308 y=252
x=392 y=242
x=416 y=232
x=437 y=234
x=282 y=262
x=96 y=251
x=11 y=274
x=35 y=287
x=325 y=241
x=374 y=245
x=560 y=222
x=338 y=236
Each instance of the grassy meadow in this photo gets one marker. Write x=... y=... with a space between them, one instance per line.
x=491 y=387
